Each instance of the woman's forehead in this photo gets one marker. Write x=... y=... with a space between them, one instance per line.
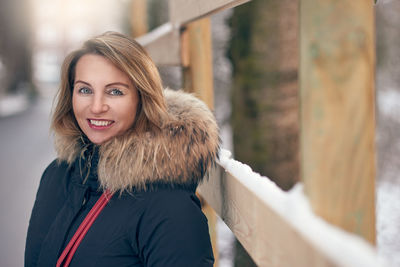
x=92 y=68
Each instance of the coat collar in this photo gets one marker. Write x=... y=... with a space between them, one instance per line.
x=179 y=155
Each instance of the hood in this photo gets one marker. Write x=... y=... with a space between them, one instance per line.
x=179 y=155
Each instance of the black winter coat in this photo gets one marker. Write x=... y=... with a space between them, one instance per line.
x=159 y=227
x=153 y=219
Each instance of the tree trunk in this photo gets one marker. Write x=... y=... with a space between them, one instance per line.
x=264 y=54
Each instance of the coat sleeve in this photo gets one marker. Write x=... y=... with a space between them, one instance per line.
x=47 y=204
x=173 y=231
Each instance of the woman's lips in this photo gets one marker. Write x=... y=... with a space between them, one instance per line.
x=100 y=124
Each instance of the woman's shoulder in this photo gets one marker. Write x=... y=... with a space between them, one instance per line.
x=55 y=174
x=155 y=194
x=163 y=201
x=56 y=165
x=171 y=203
x=172 y=230
x=146 y=210
x=55 y=168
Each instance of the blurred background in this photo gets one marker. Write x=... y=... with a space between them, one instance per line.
x=255 y=54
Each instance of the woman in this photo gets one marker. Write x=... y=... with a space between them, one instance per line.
x=139 y=150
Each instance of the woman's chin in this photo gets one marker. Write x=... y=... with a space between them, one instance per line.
x=98 y=140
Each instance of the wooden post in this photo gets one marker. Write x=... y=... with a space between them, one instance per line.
x=198 y=79
x=197 y=60
x=139 y=23
x=337 y=59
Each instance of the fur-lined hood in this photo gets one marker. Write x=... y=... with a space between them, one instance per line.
x=180 y=154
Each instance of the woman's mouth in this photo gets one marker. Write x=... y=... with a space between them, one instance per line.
x=99 y=124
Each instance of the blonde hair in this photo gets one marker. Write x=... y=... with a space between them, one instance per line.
x=129 y=57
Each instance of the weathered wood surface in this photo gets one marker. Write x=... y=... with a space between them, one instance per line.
x=270 y=239
x=337 y=111
x=267 y=237
x=197 y=59
x=184 y=11
x=163 y=45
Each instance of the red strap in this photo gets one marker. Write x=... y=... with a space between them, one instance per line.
x=73 y=244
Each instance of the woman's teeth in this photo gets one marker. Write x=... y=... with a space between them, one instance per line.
x=100 y=123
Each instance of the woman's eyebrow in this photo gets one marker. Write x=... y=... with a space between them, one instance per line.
x=79 y=81
x=118 y=83
x=110 y=84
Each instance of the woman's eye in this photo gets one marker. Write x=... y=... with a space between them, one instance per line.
x=115 y=92
x=85 y=90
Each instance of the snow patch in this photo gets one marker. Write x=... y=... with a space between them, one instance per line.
x=388 y=210
x=389 y=102
x=344 y=248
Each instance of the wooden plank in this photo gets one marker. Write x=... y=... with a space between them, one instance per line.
x=163 y=45
x=272 y=240
x=337 y=111
x=139 y=17
x=197 y=55
x=185 y=11
x=268 y=239
x=198 y=78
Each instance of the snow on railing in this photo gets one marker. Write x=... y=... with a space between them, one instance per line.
x=328 y=244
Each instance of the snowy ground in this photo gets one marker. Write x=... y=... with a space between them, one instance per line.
x=388 y=184
x=388 y=222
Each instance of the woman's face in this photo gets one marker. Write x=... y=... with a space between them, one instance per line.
x=104 y=99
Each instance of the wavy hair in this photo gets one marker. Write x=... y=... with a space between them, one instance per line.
x=130 y=57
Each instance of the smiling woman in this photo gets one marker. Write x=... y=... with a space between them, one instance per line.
x=130 y=156
x=104 y=99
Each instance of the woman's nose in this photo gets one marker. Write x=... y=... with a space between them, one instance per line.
x=99 y=105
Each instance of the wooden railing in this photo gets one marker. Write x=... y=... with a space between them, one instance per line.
x=337 y=119
x=278 y=228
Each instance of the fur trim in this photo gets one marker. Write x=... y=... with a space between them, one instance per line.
x=180 y=154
